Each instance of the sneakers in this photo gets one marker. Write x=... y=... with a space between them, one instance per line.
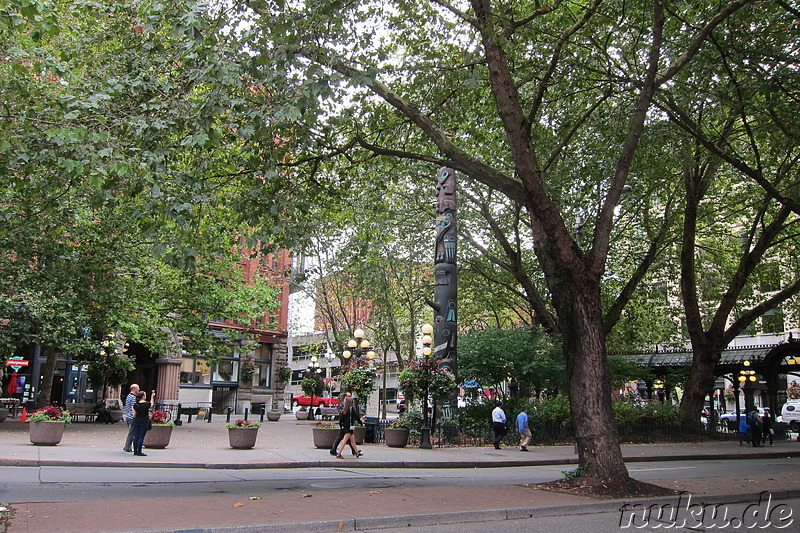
x=126 y=451
x=523 y=449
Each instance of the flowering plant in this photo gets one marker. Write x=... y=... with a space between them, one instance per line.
x=326 y=425
x=51 y=413
x=161 y=418
x=401 y=422
x=793 y=391
x=358 y=378
x=421 y=375
x=243 y=424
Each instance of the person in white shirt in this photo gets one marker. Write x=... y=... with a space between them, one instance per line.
x=498 y=424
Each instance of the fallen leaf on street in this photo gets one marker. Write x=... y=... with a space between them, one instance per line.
x=238 y=504
x=255 y=497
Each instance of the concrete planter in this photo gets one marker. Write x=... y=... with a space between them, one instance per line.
x=301 y=415
x=46 y=432
x=158 y=436
x=3 y=413
x=324 y=438
x=242 y=438
x=358 y=433
x=273 y=416
x=396 y=438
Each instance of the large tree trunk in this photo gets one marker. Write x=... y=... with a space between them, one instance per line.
x=698 y=385
x=590 y=387
x=48 y=370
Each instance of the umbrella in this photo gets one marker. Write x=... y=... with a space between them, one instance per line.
x=11 y=388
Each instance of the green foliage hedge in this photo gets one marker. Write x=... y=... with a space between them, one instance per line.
x=555 y=411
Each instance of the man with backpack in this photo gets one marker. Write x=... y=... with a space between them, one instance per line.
x=754 y=419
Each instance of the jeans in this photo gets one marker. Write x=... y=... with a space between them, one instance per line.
x=129 y=438
x=139 y=431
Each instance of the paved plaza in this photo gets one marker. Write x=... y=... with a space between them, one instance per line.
x=288 y=444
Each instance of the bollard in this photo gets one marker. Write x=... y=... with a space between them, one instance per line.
x=208 y=418
x=246 y=412
x=178 y=421
x=263 y=408
x=228 y=420
x=189 y=416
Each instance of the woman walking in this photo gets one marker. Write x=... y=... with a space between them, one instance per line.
x=347 y=419
x=141 y=422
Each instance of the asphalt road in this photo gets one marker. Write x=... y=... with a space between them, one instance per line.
x=43 y=484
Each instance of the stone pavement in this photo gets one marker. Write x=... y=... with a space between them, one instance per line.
x=288 y=444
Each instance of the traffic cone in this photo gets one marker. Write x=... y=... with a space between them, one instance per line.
x=23 y=417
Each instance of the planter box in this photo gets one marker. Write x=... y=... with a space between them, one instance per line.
x=3 y=413
x=46 y=432
x=358 y=433
x=301 y=415
x=273 y=416
x=396 y=438
x=158 y=437
x=242 y=438
x=324 y=438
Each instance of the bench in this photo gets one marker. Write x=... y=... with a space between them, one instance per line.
x=86 y=410
x=329 y=413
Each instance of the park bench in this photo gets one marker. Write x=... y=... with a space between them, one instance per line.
x=329 y=413
x=86 y=410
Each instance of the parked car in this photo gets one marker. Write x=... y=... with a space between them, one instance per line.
x=302 y=399
x=790 y=414
x=732 y=420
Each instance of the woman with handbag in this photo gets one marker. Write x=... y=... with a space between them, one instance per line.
x=347 y=420
x=141 y=422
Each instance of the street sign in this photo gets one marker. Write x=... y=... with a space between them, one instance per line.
x=17 y=362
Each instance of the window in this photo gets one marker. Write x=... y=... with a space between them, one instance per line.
x=226 y=370
x=263 y=366
x=194 y=371
x=773 y=321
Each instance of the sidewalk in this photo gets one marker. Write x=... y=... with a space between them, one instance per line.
x=288 y=444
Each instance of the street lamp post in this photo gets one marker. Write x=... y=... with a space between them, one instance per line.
x=745 y=375
x=312 y=371
x=425 y=430
x=358 y=348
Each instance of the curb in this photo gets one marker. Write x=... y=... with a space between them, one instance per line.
x=328 y=463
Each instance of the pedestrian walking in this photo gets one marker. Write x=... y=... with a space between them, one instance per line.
x=341 y=434
x=141 y=421
x=767 y=427
x=524 y=429
x=744 y=429
x=347 y=419
x=127 y=414
x=755 y=428
x=498 y=424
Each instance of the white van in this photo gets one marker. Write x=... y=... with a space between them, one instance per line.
x=791 y=414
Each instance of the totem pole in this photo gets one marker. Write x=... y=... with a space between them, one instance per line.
x=445 y=289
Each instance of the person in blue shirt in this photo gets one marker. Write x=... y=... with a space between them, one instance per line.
x=744 y=429
x=524 y=430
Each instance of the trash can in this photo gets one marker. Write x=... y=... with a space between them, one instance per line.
x=370 y=423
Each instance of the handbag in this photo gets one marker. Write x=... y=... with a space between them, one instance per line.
x=771 y=431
